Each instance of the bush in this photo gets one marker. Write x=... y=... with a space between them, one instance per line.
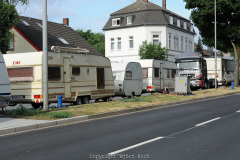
x=22 y=111
x=62 y=114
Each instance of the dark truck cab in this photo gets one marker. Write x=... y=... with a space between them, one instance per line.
x=193 y=65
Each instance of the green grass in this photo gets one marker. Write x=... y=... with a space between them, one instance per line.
x=61 y=114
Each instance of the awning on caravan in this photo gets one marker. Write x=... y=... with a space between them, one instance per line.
x=68 y=49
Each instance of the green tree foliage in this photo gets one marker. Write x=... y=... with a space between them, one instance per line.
x=97 y=40
x=228 y=25
x=199 y=45
x=152 y=51
x=8 y=17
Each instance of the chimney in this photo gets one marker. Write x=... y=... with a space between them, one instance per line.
x=143 y=0
x=66 y=21
x=164 y=4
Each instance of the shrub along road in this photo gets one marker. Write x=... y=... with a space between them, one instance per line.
x=207 y=129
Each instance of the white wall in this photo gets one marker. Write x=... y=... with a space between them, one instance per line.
x=140 y=34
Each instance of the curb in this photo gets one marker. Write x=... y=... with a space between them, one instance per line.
x=5 y=131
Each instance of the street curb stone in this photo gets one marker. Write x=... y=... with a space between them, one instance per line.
x=6 y=131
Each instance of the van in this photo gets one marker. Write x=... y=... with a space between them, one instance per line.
x=5 y=88
x=158 y=75
x=127 y=79
x=78 y=77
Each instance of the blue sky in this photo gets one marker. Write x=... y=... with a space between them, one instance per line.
x=90 y=14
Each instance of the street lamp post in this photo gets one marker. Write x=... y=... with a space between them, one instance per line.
x=215 y=45
x=45 y=58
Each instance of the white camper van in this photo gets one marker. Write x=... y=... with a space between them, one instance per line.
x=78 y=77
x=225 y=70
x=127 y=79
x=5 y=88
x=158 y=75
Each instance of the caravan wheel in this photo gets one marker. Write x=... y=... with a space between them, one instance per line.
x=36 y=105
x=86 y=100
x=78 y=101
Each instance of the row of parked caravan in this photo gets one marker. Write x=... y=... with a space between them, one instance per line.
x=79 y=78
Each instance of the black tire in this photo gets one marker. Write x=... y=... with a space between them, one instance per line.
x=105 y=99
x=86 y=100
x=36 y=105
x=78 y=101
x=132 y=95
x=96 y=100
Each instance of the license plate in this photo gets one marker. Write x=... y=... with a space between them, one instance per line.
x=18 y=97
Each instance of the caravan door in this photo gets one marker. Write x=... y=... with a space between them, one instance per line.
x=161 y=76
x=67 y=78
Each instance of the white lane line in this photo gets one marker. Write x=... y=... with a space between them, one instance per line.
x=238 y=111
x=207 y=121
x=134 y=146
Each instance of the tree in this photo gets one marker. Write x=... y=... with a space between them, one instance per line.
x=228 y=25
x=97 y=40
x=152 y=51
x=8 y=18
x=199 y=45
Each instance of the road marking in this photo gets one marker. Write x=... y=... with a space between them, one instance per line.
x=207 y=122
x=238 y=111
x=134 y=146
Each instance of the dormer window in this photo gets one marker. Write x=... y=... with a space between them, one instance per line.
x=62 y=40
x=129 y=20
x=116 y=22
x=185 y=25
x=178 y=23
x=39 y=24
x=171 y=19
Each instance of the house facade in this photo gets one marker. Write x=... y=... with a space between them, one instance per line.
x=27 y=36
x=141 y=21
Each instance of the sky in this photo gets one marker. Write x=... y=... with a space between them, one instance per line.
x=91 y=14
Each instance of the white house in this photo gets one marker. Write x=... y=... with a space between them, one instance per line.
x=127 y=28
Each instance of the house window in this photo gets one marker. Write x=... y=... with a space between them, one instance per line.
x=186 y=45
x=185 y=25
x=191 y=27
x=75 y=71
x=168 y=73
x=112 y=44
x=25 y=22
x=189 y=46
x=62 y=40
x=175 y=43
x=181 y=44
x=119 y=44
x=173 y=73
x=54 y=73
x=116 y=22
x=129 y=20
x=178 y=23
x=171 y=19
x=11 y=43
x=156 y=72
x=144 y=72
x=169 y=41
x=156 y=39
x=131 y=42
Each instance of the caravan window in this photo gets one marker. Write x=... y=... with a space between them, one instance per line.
x=117 y=75
x=128 y=74
x=75 y=71
x=168 y=73
x=173 y=73
x=144 y=72
x=156 y=72
x=20 y=74
x=100 y=78
x=54 y=74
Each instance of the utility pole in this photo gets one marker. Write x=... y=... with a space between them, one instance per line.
x=45 y=58
x=215 y=45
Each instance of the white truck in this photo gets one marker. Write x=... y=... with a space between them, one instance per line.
x=225 y=70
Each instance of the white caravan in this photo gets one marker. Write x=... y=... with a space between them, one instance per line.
x=78 y=77
x=5 y=88
x=225 y=70
x=127 y=79
x=158 y=75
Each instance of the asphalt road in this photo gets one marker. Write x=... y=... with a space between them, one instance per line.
x=205 y=130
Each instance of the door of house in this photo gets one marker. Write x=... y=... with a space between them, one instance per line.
x=67 y=78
